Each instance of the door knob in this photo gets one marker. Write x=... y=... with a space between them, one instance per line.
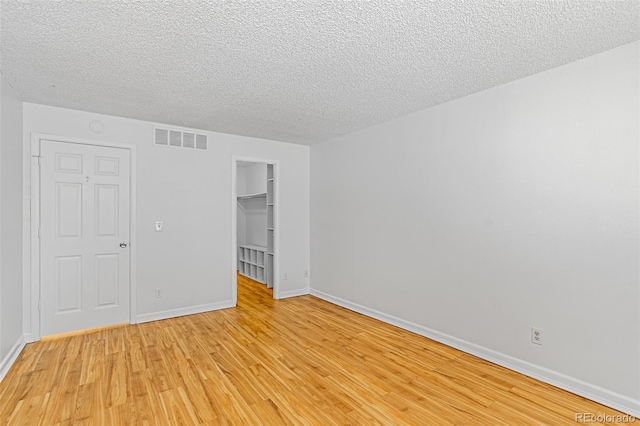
x=123 y=245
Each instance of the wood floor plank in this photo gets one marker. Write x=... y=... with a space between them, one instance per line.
x=93 y=360
x=29 y=411
x=299 y=361
x=332 y=402
x=427 y=413
x=115 y=380
x=547 y=403
x=191 y=383
x=88 y=402
x=177 y=408
x=438 y=390
x=270 y=414
x=27 y=359
x=64 y=395
x=242 y=380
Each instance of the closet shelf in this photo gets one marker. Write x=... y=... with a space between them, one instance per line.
x=250 y=247
x=251 y=262
x=250 y=196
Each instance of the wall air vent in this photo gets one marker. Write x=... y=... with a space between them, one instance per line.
x=179 y=139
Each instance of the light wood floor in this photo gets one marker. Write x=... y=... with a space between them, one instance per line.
x=295 y=361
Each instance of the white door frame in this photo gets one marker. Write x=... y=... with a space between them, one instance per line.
x=34 y=306
x=234 y=224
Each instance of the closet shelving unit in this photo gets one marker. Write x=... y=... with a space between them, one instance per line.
x=251 y=262
x=270 y=225
x=251 y=258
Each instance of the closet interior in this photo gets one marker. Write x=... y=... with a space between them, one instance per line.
x=255 y=233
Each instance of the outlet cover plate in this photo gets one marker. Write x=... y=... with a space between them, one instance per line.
x=537 y=336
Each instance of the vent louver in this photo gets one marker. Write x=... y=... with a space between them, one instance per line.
x=175 y=138
x=201 y=142
x=179 y=139
x=188 y=140
x=162 y=137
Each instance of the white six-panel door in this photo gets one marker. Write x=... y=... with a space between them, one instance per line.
x=84 y=232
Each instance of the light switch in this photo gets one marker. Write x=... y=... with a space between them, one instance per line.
x=158 y=226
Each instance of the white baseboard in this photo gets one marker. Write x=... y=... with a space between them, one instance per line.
x=180 y=312
x=28 y=337
x=294 y=293
x=11 y=357
x=571 y=384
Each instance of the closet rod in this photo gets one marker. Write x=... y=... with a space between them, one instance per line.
x=247 y=197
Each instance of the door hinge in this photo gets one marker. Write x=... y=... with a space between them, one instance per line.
x=38 y=305
x=39 y=234
x=39 y=161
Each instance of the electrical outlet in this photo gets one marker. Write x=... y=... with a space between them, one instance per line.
x=285 y=276
x=158 y=292
x=306 y=274
x=536 y=336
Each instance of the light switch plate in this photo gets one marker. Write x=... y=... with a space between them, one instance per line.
x=159 y=226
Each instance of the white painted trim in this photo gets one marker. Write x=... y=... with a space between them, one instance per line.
x=133 y=236
x=180 y=312
x=32 y=286
x=568 y=383
x=234 y=225
x=234 y=232
x=276 y=231
x=636 y=413
x=27 y=205
x=11 y=357
x=294 y=293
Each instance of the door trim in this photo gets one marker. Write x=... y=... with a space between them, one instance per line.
x=32 y=285
x=234 y=225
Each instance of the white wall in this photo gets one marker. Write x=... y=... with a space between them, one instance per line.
x=477 y=219
x=190 y=191
x=255 y=178
x=255 y=215
x=10 y=221
x=241 y=188
x=241 y=181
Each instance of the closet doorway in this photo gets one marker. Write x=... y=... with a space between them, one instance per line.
x=254 y=222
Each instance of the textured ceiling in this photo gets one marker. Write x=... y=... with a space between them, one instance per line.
x=295 y=71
